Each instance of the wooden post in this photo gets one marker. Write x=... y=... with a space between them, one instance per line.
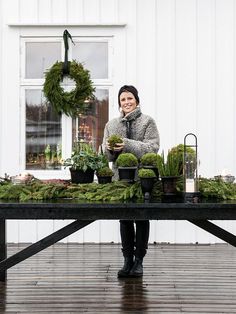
x=3 y=250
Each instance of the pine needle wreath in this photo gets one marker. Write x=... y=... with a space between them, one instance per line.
x=71 y=103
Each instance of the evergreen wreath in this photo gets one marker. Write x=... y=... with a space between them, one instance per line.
x=71 y=103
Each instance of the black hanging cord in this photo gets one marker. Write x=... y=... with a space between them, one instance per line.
x=66 y=35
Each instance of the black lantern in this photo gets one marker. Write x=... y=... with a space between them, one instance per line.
x=190 y=168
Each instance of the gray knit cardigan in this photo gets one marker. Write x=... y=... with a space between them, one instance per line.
x=139 y=133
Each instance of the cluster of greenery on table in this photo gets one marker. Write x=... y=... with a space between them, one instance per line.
x=38 y=190
x=217 y=189
x=115 y=191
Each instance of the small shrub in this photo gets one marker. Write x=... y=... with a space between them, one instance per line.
x=149 y=159
x=114 y=139
x=127 y=160
x=105 y=172
x=146 y=173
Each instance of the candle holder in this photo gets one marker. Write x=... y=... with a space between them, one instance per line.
x=190 y=169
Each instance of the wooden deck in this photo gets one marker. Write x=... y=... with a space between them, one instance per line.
x=76 y=278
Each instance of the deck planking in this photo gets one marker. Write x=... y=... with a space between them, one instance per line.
x=80 y=278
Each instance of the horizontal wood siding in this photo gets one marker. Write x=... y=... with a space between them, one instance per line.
x=180 y=55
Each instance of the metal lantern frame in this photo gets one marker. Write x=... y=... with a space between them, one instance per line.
x=191 y=189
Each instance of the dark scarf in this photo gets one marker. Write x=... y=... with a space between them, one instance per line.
x=128 y=120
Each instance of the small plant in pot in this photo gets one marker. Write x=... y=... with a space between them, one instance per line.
x=149 y=161
x=82 y=163
x=147 y=180
x=127 y=164
x=48 y=155
x=170 y=171
x=104 y=175
x=177 y=152
x=113 y=140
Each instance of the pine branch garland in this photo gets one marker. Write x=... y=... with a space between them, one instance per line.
x=90 y=191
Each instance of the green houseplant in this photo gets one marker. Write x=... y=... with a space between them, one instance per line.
x=83 y=162
x=127 y=164
x=149 y=161
x=170 y=170
x=146 y=173
x=104 y=175
x=113 y=140
x=147 y=180
x=177 y=152
x=171 y=166
x=127 y=160
x=47 y=155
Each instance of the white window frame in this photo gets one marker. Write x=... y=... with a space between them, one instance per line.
x=66 y=121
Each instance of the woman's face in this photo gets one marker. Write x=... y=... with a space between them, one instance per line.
x=128 y=102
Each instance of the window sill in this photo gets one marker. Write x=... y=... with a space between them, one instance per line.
x=67 y=24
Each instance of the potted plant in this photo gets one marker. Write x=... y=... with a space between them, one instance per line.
x=179 y=150
x=47 y=154
x=127 y=164
x=82 y=163
x=149 y=161
x=147 y=180
x=113 y=140
x=170 y=171
x=104 y=175
x=146 y=173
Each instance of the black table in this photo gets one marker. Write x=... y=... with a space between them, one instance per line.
x=85 y=213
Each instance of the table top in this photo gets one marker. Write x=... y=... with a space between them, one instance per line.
x=85 y=210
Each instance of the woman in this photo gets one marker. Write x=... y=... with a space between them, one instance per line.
x=140 y=135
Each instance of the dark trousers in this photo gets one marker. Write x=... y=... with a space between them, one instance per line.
x=134 y=243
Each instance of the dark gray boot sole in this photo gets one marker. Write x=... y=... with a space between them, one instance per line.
x=135 y=275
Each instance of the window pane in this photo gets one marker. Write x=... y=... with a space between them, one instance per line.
x=43 y=133
x=94 y=56
x=40 y=57
x=89 y=126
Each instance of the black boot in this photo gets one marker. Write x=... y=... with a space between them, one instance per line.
x=128 y=264
x=137 y=269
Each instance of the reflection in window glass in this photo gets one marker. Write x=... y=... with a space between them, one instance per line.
x=43 y=133
x=94 y=56
x=40 y=56
x=89 y=126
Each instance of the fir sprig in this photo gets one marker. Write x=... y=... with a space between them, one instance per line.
x=217 y=189
x=90 y=191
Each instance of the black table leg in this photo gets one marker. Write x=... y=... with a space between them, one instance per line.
x=42 y=244
x=3 y=249
x=215 y=230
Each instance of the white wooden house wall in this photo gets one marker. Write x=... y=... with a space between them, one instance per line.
x=181 y=56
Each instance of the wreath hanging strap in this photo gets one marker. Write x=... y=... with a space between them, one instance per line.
x=71 y=103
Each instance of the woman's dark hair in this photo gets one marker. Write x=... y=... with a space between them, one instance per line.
x=130 y=89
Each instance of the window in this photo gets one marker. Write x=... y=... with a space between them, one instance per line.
x=46 y=133
x=43 y=133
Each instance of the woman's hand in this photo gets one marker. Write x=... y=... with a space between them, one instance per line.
x=117 y=148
